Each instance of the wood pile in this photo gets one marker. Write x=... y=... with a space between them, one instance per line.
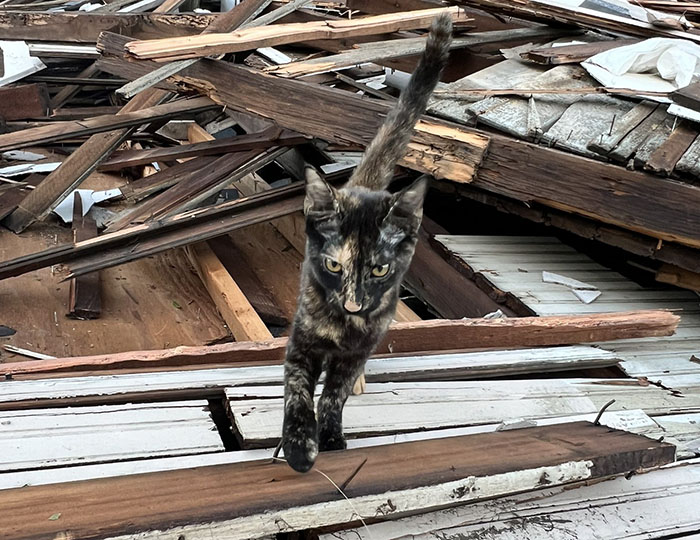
x=152 y=156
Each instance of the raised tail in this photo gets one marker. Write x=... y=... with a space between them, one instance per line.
x=376 y=169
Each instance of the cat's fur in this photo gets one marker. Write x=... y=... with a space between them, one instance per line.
x=343 y=315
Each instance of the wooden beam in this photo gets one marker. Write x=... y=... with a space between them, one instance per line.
x=242 y=320
x=84 y=300
x=168 y=49
x=24 y=101
x=257 y=498
x=81 y=27
x=411 y=337
x=688 y=96
x=678 y=277
x=58 y=131
x=604 y=192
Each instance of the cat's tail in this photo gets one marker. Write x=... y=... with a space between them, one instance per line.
x=376 y=169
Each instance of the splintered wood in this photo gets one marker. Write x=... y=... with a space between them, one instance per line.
x=252 y=499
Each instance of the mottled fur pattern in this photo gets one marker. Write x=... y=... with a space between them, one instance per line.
x=360 y=241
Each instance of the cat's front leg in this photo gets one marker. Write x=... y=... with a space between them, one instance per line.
x=340 y=378
x=299 y=434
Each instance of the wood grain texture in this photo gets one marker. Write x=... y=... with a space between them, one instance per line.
x=24 y=101
x=79 y=27
x=280 y=34
x=84 y=298
x=241 y=318
x=237 y=493
x=573 y=54
x=433 y=335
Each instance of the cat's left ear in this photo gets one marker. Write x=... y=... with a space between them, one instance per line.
x=406 y=211
x=320 y=196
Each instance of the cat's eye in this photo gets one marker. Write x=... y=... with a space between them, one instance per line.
x=380 y=270
x=333 y=266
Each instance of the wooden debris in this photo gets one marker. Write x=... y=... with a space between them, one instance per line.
x=664 y=159
x=270 y=36
x=131 y=158
x=623 y=125
x=63 y=130
x=384 y=50
x=688 y=96
x=573 y=54
x=434 y=335
x=84 y=301
x=24 y=101
x=679 y=277
x=450 y=468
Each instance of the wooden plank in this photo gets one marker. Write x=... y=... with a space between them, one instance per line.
x=270 y=36
x=573 y=54
x=387 y=408
x=689 y=96
x=241 y=318
x=210 y=382
x=664 y=159
x=84 y=298
x=622 y=127
x=57 y=131
x=384 y=50
x=654 y=505
x=690 y=161
x=257 y=141
x=434 y=335
x=629 y=144
x=104 y=434
x=654 y=141
x=24 y=101
x=680 y=277
x=448 y=467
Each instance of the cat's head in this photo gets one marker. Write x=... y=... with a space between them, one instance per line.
x=360 y=242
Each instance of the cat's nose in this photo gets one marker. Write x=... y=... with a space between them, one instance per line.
x=352 y=307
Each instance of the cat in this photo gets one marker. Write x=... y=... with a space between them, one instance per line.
x=360 y=242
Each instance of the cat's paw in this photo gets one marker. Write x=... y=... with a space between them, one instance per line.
x=300 y=453
x=330 y=442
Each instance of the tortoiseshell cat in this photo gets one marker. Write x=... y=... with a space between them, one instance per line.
x=360 y=241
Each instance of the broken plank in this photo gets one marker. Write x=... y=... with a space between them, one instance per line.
x=689 y=163
x=688 y=96
x=241 y=318
x=24 y=101
x=105 y=434
x=434 y=335
x=654 y=141
x=132 y=158
x=270 y=36
x=452 y=470
x=573 y=54
x=622 y=126
x=664 y=159
x=84 y=296
x=630 y=142
x=385 y=50
x=57 y=131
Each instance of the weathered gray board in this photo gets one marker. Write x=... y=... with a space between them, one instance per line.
x=399 y=407
x=659 y=504
x=79 y=435
x=428 y=367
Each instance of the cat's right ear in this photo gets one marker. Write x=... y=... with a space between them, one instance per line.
x=320 y=196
